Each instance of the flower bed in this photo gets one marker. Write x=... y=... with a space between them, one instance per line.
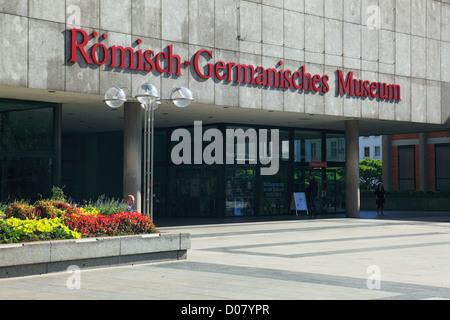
x=55 y=220
x=15 y=230
x=123 y=223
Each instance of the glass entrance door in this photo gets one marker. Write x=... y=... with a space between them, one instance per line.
x=331 y=198
x=240 y=191
x=25 y=178
x=193 y=192
x=29 y=159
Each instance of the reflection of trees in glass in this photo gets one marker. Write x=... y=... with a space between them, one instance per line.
x=29 y=130
x=370 y=174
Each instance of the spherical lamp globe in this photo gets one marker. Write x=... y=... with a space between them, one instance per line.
x=148 y=95
x=115 y=98
x=181 y=97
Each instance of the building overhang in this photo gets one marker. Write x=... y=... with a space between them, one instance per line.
x=88 y=113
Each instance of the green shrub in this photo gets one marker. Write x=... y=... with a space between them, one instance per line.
x=412 y=193
x=58 y=194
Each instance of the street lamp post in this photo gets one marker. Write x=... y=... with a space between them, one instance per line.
x=150 y=101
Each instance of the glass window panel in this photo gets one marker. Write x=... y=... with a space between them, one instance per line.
x=245 y=148
x=25 y=178
x=284 y=138
x=335 y=147
x=307 y=146
x=274 y=194
x=297 y=151
x=442 y=167
x=160 y=146
x=406 y=168
x=377 y=151
x=239 y=191
x=26 y=131
x=193 y=191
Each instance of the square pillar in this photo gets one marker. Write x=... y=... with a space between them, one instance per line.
x=387 y=162
x=423 y=161
x=132 y=164
x=352 y=169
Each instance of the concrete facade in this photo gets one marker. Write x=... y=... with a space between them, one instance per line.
x=18 y=260
x=51 y=51
x=402 y=42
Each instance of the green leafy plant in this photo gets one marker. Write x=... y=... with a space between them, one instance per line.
x=58 y=194
x=3 y=207
x=370 y=174
x=107 y=206
x=15 y=230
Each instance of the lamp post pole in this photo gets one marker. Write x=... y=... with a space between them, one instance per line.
x=145 y=159
x=149 y=158
x=152 y=158
x=149 y=100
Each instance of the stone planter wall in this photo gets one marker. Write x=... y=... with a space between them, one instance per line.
x=34 y=258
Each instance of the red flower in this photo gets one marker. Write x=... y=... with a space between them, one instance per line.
x=122 y=223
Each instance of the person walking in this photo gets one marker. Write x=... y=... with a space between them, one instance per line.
x=380 y=197
x=313 y=193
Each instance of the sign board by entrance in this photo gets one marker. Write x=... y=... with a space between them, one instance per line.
x=318 y=164
x=298 y=202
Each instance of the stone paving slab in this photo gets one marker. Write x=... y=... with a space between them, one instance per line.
x=321 y=259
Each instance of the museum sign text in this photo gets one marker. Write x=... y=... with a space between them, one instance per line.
x=203 y=68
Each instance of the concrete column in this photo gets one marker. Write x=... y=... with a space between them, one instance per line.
x=423 y=161
x=352 y=168
x=387 y=162
x=132 y=164
x=57 y=142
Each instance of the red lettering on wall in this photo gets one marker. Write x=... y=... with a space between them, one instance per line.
x=360 y=88
x=76 y=47
x=168 y=62
x=197 y=67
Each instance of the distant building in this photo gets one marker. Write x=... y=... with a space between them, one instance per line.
x=370 y=148
x=417 y=161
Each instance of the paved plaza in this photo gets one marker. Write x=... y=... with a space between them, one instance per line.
x=398 y=256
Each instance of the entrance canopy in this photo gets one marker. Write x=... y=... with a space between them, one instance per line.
x=88 y=113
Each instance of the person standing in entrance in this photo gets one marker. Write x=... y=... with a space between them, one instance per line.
x=130 y=201
x=380 y=197
x=313 y=193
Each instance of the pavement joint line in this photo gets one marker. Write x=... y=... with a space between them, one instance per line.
x=316 y=278
x=315 y=241
x=326 y=253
